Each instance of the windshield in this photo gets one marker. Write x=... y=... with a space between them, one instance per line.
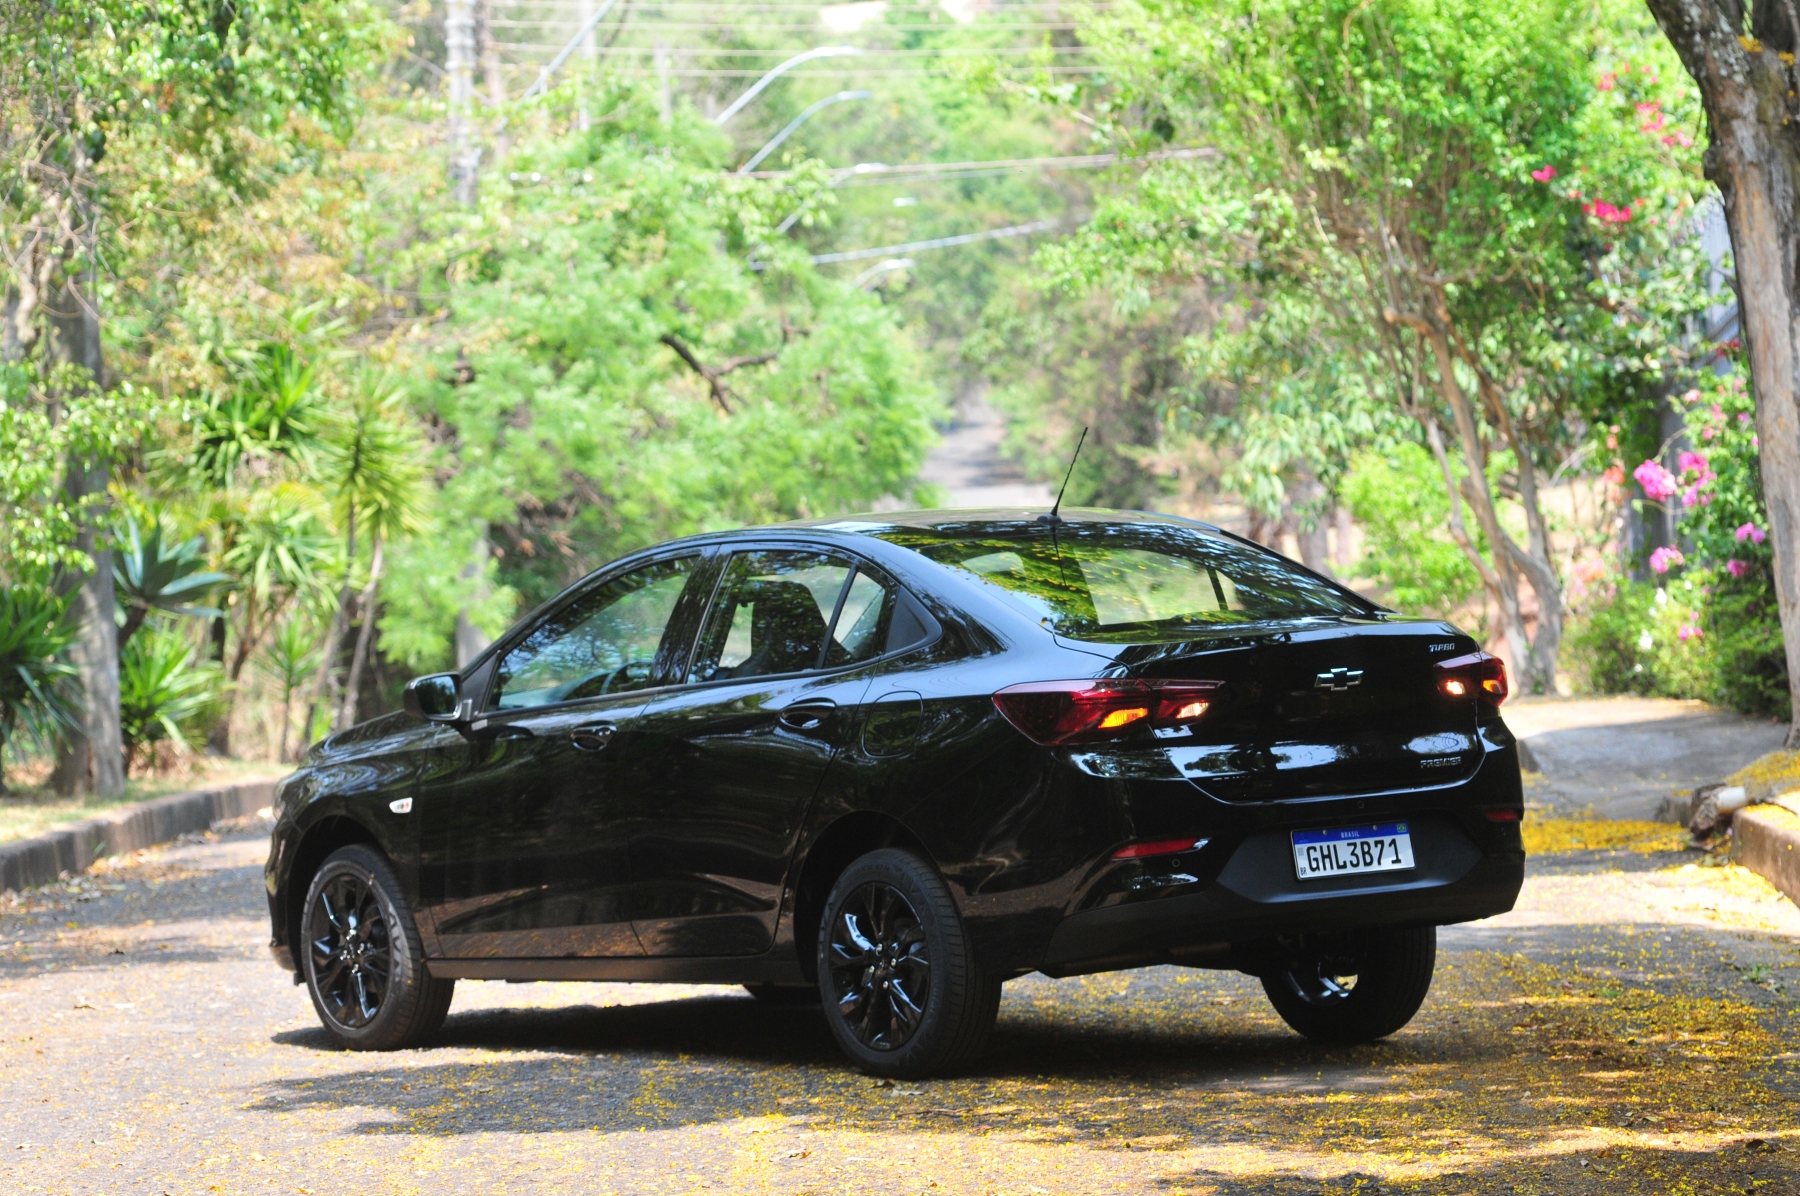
x=1129 y=581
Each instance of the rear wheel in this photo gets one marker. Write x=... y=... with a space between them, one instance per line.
x=1353 y=987
x=365 y=967
x=902 y=992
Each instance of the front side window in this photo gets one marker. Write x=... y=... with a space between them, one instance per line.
x=603 y=642
x=773 y=614
x=1130 y=581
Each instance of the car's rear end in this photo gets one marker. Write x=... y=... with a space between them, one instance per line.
x=1295 y=770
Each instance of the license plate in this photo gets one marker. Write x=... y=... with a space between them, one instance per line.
x=1383 y=847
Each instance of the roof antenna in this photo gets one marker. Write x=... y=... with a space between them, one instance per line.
x=1053 y=518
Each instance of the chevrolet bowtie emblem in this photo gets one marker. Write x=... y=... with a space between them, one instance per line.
x=1338 y=679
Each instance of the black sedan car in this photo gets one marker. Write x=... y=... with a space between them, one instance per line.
x=889 y=763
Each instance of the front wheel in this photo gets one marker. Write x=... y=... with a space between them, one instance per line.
x=365 y=966
x=902 y=992
x=1352 y=987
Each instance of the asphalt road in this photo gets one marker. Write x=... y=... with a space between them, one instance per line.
x=1631 y=1027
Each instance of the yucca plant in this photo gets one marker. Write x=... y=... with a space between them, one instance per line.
x=288 y=659
x=163 y=689
x=150 y=575
x=35 y=701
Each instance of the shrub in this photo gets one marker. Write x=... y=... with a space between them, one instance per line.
x=34 y=632
x=163 y=691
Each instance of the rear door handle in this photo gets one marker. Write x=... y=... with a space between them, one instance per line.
x=594 y=738
x=808 y=716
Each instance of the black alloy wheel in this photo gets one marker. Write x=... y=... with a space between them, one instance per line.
x=363 y=962
x=352 y=958
x=1352 y=987
x=880 y=966
x=901 y=990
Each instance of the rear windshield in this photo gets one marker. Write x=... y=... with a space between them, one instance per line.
x=1129 y=581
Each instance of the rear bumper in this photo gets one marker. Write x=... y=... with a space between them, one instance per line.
x=1256 y=897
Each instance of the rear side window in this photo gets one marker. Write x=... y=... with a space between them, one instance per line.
x=1130 y=581
x=793 y=611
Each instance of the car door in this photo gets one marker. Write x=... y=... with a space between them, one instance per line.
x=521 y=822
x=740 y=749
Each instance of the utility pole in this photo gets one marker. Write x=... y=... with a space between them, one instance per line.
x=459 y=67
x=460 y=20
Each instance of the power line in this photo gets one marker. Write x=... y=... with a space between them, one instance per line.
x=992 y=234
x=1065 y=162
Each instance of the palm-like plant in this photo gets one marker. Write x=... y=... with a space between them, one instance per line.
x=149 y=575
x=374 y=469
x=162 y=689
x=35 y=631
x=290 y=655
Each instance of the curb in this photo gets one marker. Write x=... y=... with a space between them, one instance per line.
x=73 y=847
x=1768 y=843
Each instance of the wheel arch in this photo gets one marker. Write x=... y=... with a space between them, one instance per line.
x=316 y=844
x=836 y=848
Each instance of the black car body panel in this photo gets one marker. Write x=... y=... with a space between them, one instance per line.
x=696 y=843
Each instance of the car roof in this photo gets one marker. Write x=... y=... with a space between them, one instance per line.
x=949 y=518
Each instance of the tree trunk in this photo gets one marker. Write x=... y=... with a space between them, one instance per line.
x=360 y=657
x=1754 y=159
x=92 y=756
x=472 y=641
x=459 y=63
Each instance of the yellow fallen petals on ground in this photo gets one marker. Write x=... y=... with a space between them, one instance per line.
x=1768 y=776
x=1545 y=836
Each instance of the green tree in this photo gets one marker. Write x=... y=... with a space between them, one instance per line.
x=1466 y=194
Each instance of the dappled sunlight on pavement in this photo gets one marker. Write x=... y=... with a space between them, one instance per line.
x=1623 y=1030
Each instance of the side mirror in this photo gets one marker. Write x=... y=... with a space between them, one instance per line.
x=436 y=698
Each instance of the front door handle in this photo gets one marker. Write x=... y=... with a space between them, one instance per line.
x=593 y=738
x=809 y=716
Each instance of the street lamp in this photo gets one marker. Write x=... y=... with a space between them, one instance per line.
x=756 y=88
x=880 y=268
x=543 y=79
x=775 y=141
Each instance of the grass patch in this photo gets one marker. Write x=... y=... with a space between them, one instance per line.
x=1547 y=836
x=31 y=811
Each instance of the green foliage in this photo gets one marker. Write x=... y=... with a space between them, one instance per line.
x=149 y=576
x=1399 y=499
x=35 y=631
x=164 y=690
x=1705 y=635
x=634 y=377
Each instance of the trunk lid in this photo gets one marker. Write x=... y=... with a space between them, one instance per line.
x=1319 y=708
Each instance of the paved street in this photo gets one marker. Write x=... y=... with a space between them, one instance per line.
x=1632 y=1027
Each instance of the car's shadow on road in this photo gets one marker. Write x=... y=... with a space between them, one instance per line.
x=700 y=1060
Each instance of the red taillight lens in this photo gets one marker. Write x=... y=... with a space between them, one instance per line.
x=1137 y=851
x=1057 y=712
x=1478 y=674
x=1502 y=815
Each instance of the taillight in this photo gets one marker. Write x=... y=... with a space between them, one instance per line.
x=1058 y=712
x=1478 y=673
x=1138 y=851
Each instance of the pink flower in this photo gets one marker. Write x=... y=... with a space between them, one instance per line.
x=1658 y=483
x=1752 y=533
x=1544 y=173
x=1743 y=417
x=1677 y=138
x=1614 y=475
x=1706 y=433
x=1664 y=558
x=1691 y=461
x=1688 y=632
x=1608 y=81
x=1607 y=213
x=1736 y=567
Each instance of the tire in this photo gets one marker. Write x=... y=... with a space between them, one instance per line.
x=1351 y=988
x=782 y=994
x=364 y=965
x=901 y=990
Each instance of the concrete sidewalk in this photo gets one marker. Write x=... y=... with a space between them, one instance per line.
x=1626 y=757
